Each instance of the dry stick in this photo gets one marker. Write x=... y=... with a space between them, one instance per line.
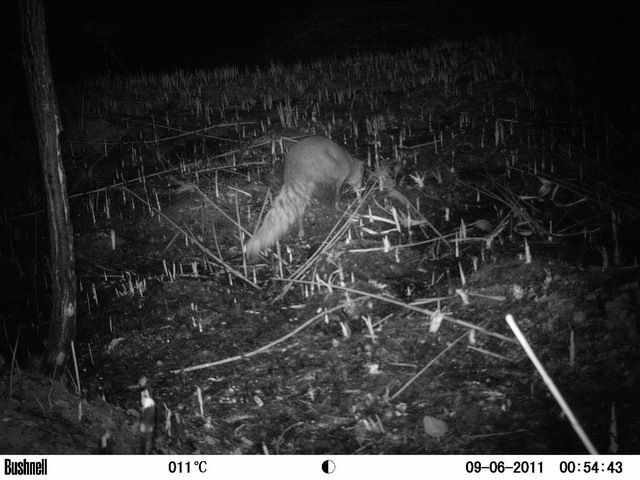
x=491 y=354
x=624 y=201
x=75 y=364
x=124 y=183
x=416 y=244
x=240 y=237
x=213 y=204
x=311 y=260
x=426 y=367
x=181 y=131
x=215 y=237
x=331 y=239
x=515 y=206
x=195 y=241
x=396 y=194
x=518 y=205
x=279 y=258
x=413 y=308
x=13 y=362
x=552 y=387
x=577 y=189
x=269 y=345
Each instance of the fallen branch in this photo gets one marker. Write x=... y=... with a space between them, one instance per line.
x=267 y=346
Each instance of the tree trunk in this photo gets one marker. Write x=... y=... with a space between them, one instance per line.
x=44 y=107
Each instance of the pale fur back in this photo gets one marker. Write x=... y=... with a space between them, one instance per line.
x=311 y=163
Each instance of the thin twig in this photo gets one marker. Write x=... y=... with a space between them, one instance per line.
x=199 y=244
x=269 y=345
x=331 y=239
x=551 y=386
x=426 y=367
x=413 y=308
x=13 y=362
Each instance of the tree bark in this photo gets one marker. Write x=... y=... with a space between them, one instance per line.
x=44 y=108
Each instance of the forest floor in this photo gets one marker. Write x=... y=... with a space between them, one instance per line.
x=482 y=199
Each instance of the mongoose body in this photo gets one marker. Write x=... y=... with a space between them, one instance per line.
x=313 y=167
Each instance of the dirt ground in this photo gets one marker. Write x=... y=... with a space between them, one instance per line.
x=321 y=392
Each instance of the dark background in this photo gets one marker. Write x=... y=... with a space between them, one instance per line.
x=123 y=36
x=87 y=38
x=599 y=42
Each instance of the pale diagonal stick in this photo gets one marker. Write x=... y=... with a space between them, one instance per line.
x=552 y=386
